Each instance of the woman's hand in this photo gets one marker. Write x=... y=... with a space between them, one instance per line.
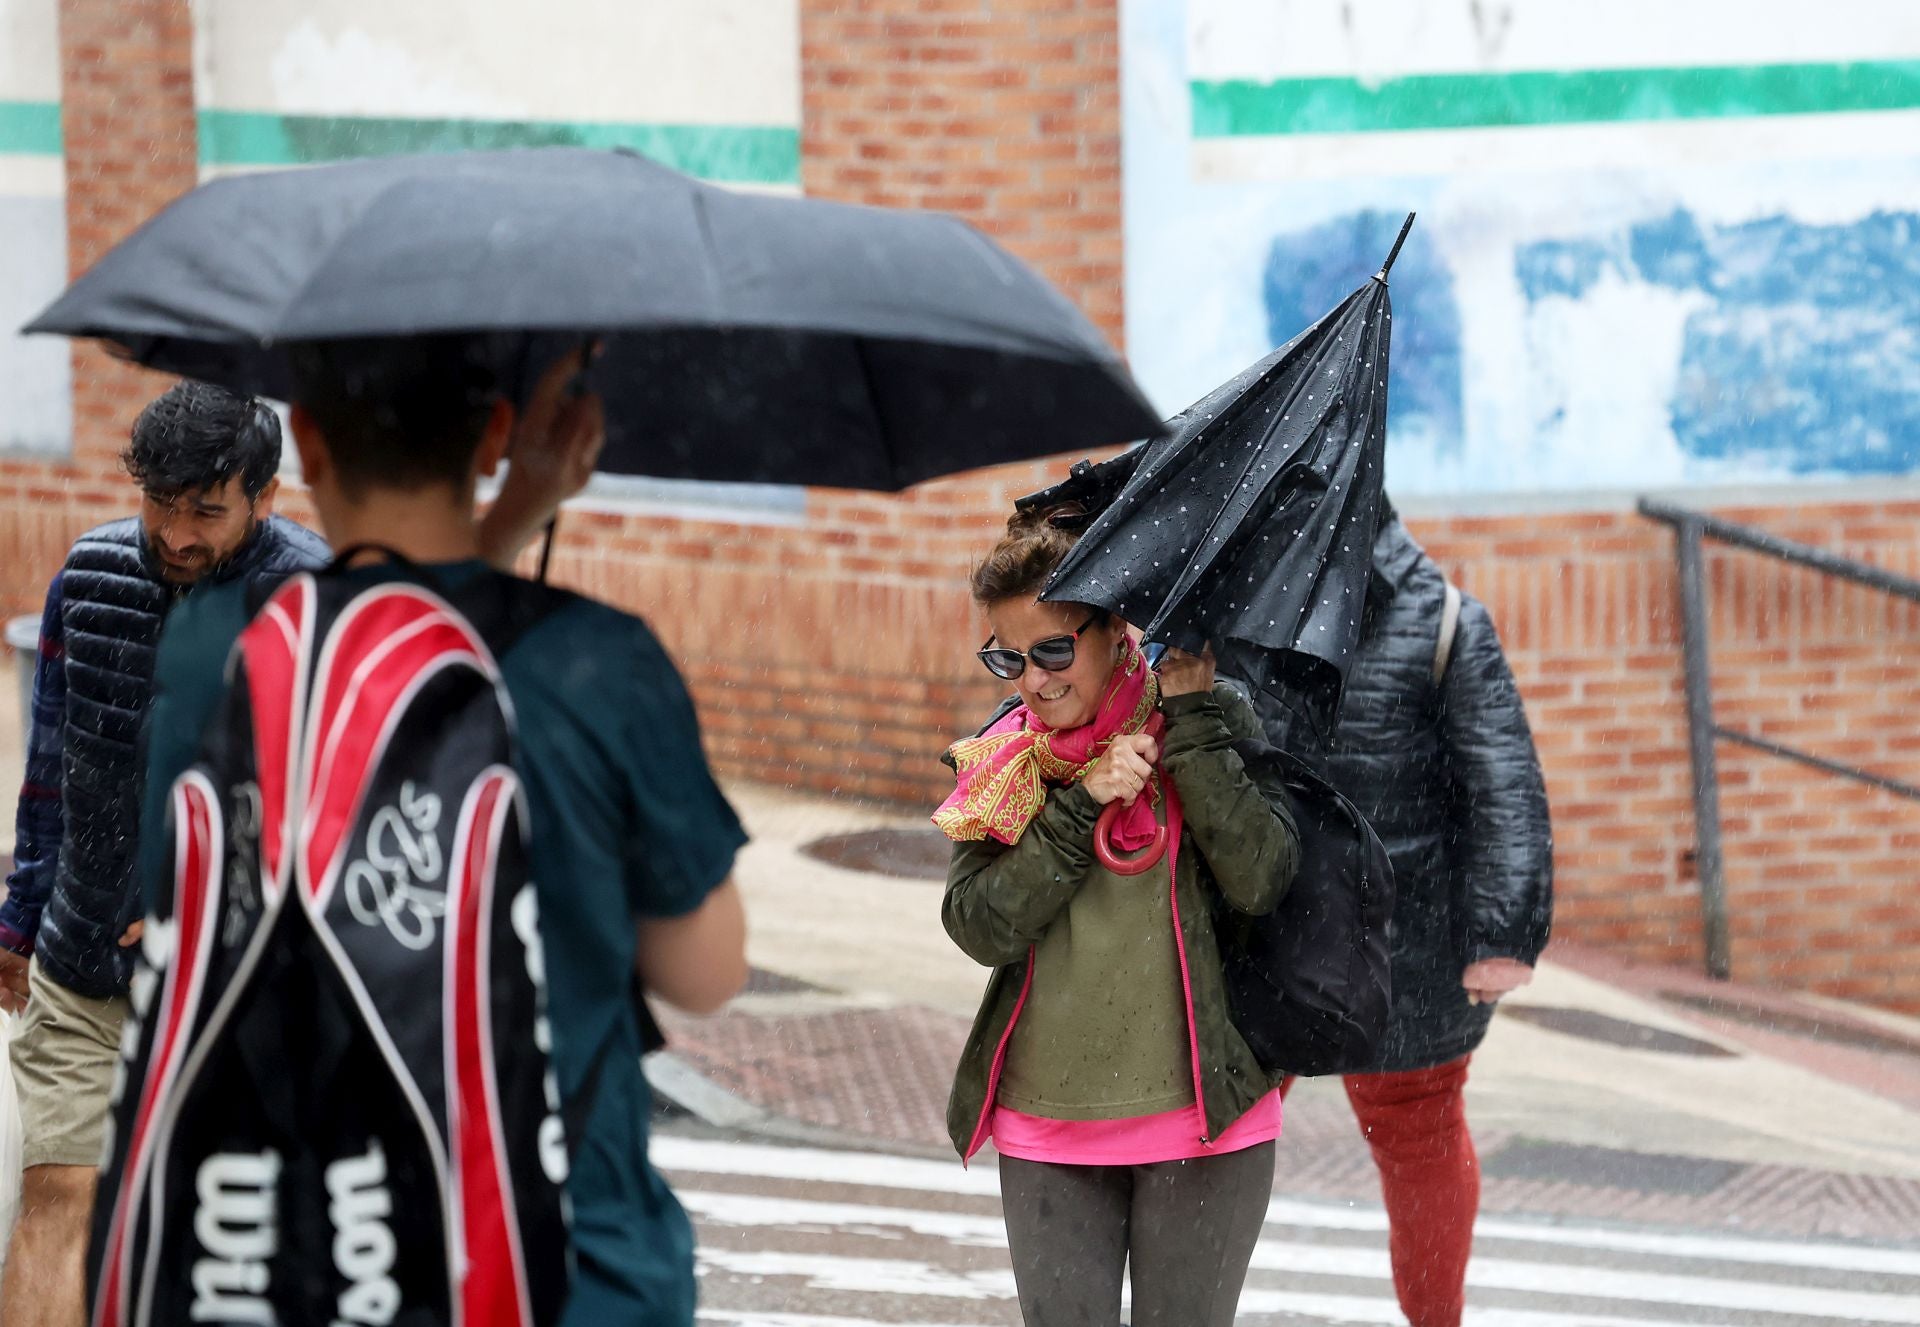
x=1124 y=770
x=1182 y=674
x=1491 y=978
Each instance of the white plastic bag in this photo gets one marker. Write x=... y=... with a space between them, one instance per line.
x=9 y=1139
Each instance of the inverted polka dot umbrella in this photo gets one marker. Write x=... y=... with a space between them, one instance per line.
x=1250 y=525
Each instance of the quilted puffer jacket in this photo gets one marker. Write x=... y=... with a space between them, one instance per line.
x=1449 y=778
x=113 y=611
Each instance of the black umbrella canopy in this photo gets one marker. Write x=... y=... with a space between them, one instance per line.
x=1251 y=525
x=747 y=337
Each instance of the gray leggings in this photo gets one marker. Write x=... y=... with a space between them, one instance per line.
x=1188 y=1227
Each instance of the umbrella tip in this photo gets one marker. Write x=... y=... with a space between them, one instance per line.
x=1394 y=252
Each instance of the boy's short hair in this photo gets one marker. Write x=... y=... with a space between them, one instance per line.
x=196 y=436
x=399 y=412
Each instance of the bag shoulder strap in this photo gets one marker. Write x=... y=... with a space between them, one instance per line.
x=1449 y=625
x=1299 y=776
x=1006 y=707
x=504 y=608
x=501 y=607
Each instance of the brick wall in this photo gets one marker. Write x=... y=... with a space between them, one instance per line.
x=1819 y=871
x=1008 y=115
x=126 y=91
x=834 y=652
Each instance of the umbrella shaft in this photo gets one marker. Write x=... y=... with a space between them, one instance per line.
x=1394 y=252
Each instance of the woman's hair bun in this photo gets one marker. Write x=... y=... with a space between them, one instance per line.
x=1037 y=541
x=1072 y=517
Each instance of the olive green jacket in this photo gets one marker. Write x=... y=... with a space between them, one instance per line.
x=1239 y=845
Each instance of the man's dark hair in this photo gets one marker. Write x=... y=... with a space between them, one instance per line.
x=399 y=412
x=197 y=436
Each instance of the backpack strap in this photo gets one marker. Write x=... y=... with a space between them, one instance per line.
x=1449 y=624
x=345 y=557
x=575 y=1114
x=255 y=591
x=502 y=607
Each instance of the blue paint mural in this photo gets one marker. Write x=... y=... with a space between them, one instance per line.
x=1604 y=308
x=1802 y=355
x=1309 y=271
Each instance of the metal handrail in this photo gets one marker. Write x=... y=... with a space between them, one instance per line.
x=1690 y=528
x=1805 y=555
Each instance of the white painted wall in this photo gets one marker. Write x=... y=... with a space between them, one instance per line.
x=642 y=61
x=35 y=384
x=1391 y=38
x=1558 y=393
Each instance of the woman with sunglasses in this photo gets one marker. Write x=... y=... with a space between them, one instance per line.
x=1101 y=822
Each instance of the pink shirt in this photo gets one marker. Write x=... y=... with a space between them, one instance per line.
x=1173 y=1135
x=1144 y=1140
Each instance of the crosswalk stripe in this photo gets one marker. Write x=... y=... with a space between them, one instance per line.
x=871 y=1276
x=1766 y=1252
x=874 y=1170
x=1561 y=1280
x=912 y=1277
x=1331 y=1308
x=759 y=1318
x=1386 y=1312
x=1581 y=1282
x=738 y=1209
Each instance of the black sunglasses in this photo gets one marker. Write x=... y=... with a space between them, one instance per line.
x=1055 y=654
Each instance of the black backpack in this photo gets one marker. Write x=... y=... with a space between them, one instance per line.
x=1308 y=985
x=338 y=1107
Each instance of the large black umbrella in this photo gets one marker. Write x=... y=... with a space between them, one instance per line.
x=1251 y=525
x=747 y=337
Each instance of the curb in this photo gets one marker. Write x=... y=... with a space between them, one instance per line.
x=679 y=1086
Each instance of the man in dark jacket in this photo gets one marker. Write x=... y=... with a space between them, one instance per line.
x=205 y=460
x=1433 y=746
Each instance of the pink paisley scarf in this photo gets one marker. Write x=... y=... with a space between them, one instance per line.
x=1005 y=772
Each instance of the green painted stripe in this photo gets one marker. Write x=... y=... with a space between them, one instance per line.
x=740 y=154
x=1230 y=108
x=30 y=128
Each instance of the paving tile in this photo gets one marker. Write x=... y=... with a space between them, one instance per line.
x=883 y=1074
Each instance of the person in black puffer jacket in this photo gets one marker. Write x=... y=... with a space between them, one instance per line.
x=1433 y=746
x=205 y=460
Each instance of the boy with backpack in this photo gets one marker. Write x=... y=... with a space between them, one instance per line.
x=621 y=831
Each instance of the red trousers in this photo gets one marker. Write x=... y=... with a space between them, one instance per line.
x=1416 y=1123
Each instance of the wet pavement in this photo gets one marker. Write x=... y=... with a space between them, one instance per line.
x=1596 y=1051
x=879 y=1077
x=810 y=1236
x=1656 y=1147
x=1658 y=1150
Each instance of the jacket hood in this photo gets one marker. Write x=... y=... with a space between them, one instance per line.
x=1400 y=565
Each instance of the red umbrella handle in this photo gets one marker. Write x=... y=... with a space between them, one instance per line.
x=1109 y=856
